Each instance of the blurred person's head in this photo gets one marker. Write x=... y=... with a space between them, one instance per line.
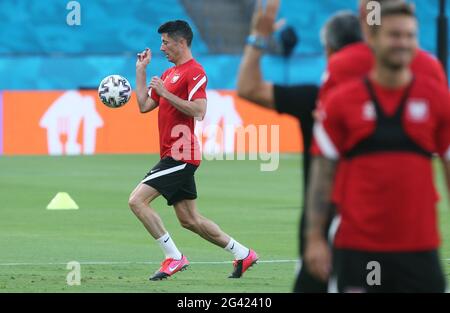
x=394 y=42
x=364 y=10
x=339 y=31
x=176 y=37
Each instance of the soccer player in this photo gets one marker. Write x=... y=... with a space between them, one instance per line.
x=299 y=101
x=385 y=127
x=357 y=59
x=352 y=60
x=181 y=98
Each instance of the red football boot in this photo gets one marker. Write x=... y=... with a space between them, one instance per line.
x=240 y=266
x=170 y=267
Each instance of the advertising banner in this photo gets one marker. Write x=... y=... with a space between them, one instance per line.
x=76 y=122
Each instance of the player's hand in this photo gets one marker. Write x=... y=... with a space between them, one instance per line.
x=157 y=84
x=143 y=58
x=318 y=257
x=263 y=21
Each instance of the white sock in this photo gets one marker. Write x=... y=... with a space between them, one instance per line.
x=240 y=252
x=169 y=247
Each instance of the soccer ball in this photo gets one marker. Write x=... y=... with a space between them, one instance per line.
x=114 y=91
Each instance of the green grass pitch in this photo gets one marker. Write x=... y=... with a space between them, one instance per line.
x=260 y=209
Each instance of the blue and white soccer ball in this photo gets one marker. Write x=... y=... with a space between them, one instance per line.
x=114 y=91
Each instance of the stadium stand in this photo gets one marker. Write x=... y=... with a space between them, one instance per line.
x=108 y=26
x=39 y=43
x=229 y=18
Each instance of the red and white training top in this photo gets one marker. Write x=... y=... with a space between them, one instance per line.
x=176 y=130
x=386 y=199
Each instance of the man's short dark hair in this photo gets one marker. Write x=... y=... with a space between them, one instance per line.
x=177 y=29
x=395 y=8
x=363 y=4
x=340 y=30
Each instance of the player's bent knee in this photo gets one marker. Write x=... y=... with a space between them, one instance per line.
x=135 y=204
x=187 y=225
x=190 y=224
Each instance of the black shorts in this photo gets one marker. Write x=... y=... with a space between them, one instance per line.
x=410 y=272
x=173 y=179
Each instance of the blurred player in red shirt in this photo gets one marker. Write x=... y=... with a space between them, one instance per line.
x=385 y=127
x=181 y=97
x=299 y=101
x=350 y=61
x=356 y=60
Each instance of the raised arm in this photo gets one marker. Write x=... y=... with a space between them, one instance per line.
x=146 y=103
x=250 y=82
x=251 y=85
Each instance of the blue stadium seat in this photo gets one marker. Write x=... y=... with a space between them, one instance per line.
x=307 y=17
x=108 y=26
x=44 y=52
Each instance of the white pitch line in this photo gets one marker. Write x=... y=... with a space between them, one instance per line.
x=130 y=262
x=143 y=263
